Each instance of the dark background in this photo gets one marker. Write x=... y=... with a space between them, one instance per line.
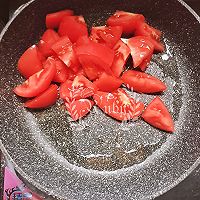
x=189 y=189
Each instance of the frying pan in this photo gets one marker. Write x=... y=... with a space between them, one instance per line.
x=99 y=158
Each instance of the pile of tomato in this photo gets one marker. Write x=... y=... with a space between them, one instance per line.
x=87 y=69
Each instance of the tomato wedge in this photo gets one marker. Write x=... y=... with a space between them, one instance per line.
x=108 y=83
x=64 y=50
x=128 y=21
x=47 y=40
x=142 y=82
x=141 y=48
x=62 y=71
x=122 y=52
x=158 y=115
x=79 y=88
x=30 y=62
x=74 y=27
x=53 y=19
x=79 y=108
x=118 y=105
x=95 y=55
x=45 y=99
x=106 y=35
x=143 y=29
x=145 y=62
x=37 y=83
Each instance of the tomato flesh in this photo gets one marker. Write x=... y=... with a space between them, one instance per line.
x=128 y=21
x=53 y=19
x=118 y=105
x=79 y=88
x=45 y=99
x=37 y=83
x=106 y=35
x=122 y=52
x=79 y=108
x=30 y=62
x=108 y=83
x=74 y=27
x=157 y=115
x=141 y=48
x=142 y=82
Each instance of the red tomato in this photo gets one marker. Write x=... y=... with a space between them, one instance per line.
x=62 y=71
x=64 y=50
x=106 y=35
x=122 y=52
x=128 y=21
x=53 y=19
x=80 y=88
x=141 y=48
x=145 y=62
x=158 y=115
x=142 y=82
x=45 y=99
x=30 y=63
x=97 y=55
x=79 y=108
x=37 y=83
x=47 y=40
x=143 y=29
x=74 y=27
x=118 y=105
x=107 y=83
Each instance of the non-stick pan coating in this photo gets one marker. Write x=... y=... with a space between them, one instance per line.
x=133 y=160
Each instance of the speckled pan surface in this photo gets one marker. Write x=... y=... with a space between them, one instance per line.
x=99 y=158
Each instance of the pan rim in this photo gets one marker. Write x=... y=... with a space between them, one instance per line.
x=41 y=187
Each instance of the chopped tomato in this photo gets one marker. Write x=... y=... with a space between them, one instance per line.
x=74 y=27
x=118 y=105
x=62 y=71
x=37 y=83
x=97 y=55
x=128 y=21
x=122 y=52
x=142 y=82
x=145 y=62
x=108 y=83
x=53 y=19
x=79 y=88
x=106 y=35
x=79 y=108
x=64 y=50
x=45 y=99
x=47 y=40
x=141 y=48
x=30 y=62
x=158 y=115
x=143 y=29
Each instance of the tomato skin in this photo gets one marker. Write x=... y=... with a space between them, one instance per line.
x=128 y=21
x=157 y=115
x=64 y=50
x=98 y=55
x=107 y=83
x=142 y=82
x=118 y=105
x=29 y=63
x=75 y=23
x=62 y=71
x=141 y=48
x=79 y=88
x=122 y=52
x=45 y=99
x=106 y=35
x=79 y=108
x=37 y=83
x=47 y=40
x=53 y=19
